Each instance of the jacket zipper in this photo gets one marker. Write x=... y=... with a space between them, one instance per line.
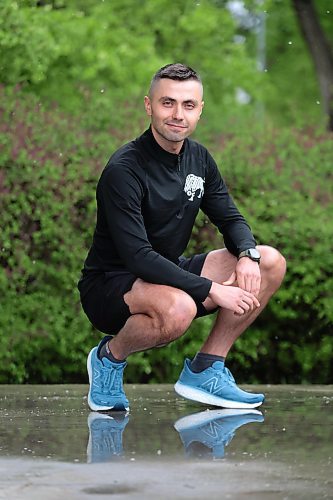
x=181 y=211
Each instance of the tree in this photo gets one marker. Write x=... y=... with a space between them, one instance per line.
x=320 y=51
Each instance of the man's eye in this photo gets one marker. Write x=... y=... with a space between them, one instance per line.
x=167 y=103
x=189 y=105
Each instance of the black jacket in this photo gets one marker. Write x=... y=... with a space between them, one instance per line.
x=147 y=202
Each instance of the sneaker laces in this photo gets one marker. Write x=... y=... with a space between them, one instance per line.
x=229 y=374
x=226 y=375
x=111 y=380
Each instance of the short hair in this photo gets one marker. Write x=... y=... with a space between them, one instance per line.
x=175 y=71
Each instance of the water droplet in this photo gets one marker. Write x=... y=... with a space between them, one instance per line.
x=290 y=43
x=102 y=91
x=317 y=102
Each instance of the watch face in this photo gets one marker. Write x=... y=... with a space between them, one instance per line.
x=254 y=253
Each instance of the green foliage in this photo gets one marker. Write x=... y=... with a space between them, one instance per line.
x=74 y=74
x=47 y=212
x=282 y=182
x=100 y=56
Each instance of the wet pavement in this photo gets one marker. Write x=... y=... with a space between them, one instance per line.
x=52 y=446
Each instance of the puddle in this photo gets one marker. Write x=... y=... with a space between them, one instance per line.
x=286 y=443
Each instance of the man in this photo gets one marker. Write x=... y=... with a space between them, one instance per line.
x=137 y=287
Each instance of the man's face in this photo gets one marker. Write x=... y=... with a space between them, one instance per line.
x=175 y=108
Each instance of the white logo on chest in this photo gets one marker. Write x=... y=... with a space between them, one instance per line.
x=193 y=184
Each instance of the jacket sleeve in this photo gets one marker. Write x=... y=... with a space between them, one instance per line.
x=119 y=195
x=219 y=206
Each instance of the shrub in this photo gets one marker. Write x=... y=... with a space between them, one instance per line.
x=50 y=163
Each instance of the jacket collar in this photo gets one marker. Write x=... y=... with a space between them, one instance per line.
x=147 y=140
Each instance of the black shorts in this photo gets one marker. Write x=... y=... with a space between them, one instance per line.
x=102 y=295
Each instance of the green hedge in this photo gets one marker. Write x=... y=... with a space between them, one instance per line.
x=49 y=166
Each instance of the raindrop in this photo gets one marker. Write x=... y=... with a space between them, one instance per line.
x=317 y=102
x=102 y=91
x=159 y=452
x=290 y=43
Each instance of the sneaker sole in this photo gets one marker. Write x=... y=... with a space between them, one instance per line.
x=92 y=405
x=209 y=415
x=202 y=397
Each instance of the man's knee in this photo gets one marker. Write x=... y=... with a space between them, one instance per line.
x=175 y=315
x=272 y=264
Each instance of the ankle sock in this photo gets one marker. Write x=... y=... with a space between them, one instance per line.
x=202 y=360
x=104 y=351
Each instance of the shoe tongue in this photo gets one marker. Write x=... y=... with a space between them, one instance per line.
x=218 y=365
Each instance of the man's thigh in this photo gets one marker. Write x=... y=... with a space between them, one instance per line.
x=116 y=295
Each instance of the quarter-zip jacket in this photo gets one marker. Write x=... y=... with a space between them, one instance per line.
x=147 y=202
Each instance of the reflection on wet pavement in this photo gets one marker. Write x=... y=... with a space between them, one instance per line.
x=294 y=428
x=206 y=433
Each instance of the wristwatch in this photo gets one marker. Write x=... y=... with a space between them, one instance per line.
x=251 y=253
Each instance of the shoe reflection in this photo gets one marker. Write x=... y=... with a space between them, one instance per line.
x=106 y=436
x=205 y=434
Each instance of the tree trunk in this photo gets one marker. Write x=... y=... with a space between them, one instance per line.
x=320 y=51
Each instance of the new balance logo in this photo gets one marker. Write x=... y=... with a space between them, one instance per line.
x=213 y=385
x=212 y=429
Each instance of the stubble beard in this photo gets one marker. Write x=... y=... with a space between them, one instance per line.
x=169 y=135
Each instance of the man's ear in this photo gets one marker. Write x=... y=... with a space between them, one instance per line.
x=147 y=105
x=202 y=105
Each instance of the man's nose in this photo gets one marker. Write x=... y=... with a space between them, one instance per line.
x=178 y=112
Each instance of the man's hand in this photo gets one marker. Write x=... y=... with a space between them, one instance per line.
x=247 y=275
x=233 y=298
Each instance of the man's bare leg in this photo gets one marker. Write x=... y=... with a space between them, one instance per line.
x=160 y=314
x=204 y=379
x=218 y=266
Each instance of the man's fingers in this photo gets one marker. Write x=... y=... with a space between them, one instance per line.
x=250 y=284
x=250 y=298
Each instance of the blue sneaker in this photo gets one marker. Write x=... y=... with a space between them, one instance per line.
x=215 y=386
x=106 y=384
x=105 y=436
x=208 y=432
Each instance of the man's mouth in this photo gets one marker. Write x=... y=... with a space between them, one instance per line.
x=176 y=126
